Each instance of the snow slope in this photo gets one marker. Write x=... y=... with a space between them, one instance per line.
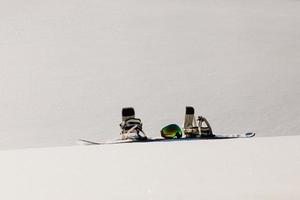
x=67 y=67
x=256 y=168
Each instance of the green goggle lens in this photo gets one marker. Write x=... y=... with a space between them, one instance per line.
x=171 y=131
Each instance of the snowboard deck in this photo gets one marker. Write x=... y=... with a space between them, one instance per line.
x=160 y=139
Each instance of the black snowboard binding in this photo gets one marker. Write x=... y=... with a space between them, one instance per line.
x=131 y=127
x=196 y=128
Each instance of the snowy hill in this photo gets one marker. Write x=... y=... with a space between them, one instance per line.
x=256 y=168
x=68 y=67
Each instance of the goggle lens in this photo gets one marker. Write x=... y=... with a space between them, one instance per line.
x=171 y=131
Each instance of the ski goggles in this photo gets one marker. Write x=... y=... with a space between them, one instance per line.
x=171 y=131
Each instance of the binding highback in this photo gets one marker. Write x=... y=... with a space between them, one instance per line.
x=127 y=113
x=190 y=127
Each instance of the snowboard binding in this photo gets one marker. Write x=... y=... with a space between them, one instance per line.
x=131 y=127
x=196 y=128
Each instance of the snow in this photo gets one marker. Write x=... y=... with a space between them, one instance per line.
x=256 y=168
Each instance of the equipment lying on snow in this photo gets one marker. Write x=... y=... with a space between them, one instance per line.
x=131 y=127
x=171 y=131
x=192 y=128
x=160 y=139
x=200 y=129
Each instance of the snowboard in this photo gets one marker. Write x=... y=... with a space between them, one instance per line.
x=160 y=139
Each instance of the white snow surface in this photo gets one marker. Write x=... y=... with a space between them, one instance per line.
x=265 y=168
x=67 y=67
